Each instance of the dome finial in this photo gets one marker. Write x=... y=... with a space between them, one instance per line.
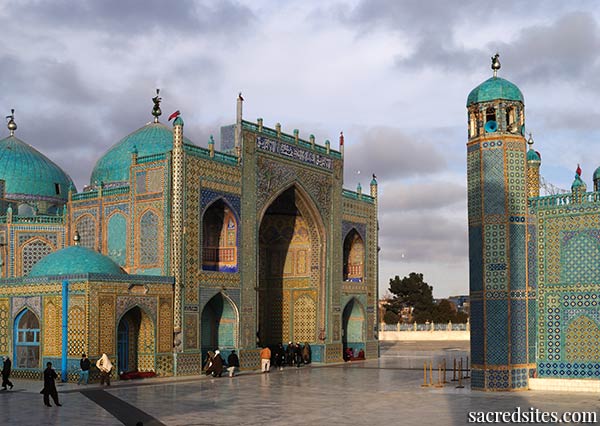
x=156 y=112
x=76 y=238
x=12 y=126
x=496 y=64
x=530 y=140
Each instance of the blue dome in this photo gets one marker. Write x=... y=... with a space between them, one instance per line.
x=597 y=173
x=532 y=155
x=578 y=183
x=153 y=138
x=494 y=88
x=29 y=174
x=75 y=260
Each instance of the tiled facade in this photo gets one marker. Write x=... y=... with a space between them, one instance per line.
x=231 y=249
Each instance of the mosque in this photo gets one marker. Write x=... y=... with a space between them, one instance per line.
x=534 y=274
x=175 y=249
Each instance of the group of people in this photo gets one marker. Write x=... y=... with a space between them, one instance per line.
x=293 y=354
x=350 y=356
x=215 y=364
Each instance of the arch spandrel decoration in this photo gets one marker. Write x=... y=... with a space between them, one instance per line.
x=34 y=303
x=125 y=303
x=274 y=178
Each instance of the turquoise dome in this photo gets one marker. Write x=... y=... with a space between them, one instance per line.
x=153 y=138
x=532 y=155
x=29 y=174
x=597 y=174
x=494 y=88
x=578 y=183
x=75 y=260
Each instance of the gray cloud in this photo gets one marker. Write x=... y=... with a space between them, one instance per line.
x=377 y=151
x=134 y=17
x=434 y=195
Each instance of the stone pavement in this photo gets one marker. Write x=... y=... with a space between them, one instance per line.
x=384 y=391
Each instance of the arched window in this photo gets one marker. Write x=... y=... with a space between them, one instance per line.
x=25 y=210
x=472 y=124
x=86 y=226
x=116 y=239
x=354 y=257
x=490 y=114
x=149 y=239
x=511 y=123
x=32 y=252
x=219 y=232
x=27 y=340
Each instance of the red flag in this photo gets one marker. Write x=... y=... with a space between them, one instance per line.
x=174 y=115
x=578 y=171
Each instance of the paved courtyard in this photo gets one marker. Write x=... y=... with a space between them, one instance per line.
x=384 y=391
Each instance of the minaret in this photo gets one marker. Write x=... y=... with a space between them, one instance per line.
x=177 y=227
x=374 y=187
x=238 y=127
x=500 y=294
x=533 y=170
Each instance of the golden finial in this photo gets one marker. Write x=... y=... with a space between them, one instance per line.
x=76 y=238
x=12 y=126
x=496 y=64
x=156 y=112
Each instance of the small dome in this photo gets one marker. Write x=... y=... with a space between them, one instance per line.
x=532 y=155
x=492 y=89
x=153 y=138
x=578 y=184
x=29 y=174
x=597 y=174
x=75 y=260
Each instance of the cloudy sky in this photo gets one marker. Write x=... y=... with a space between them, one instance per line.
x=394 y=75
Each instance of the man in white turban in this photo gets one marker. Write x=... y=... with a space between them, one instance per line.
x=105 y=367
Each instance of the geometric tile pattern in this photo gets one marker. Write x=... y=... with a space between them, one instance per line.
x=495 y=257
x=497 y=337
x=580 y=257
x=493 y=181
x=581 y=340
x=33 y=252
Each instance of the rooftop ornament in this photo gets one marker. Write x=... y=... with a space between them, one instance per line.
x=76 y=238
x=496 y=64
x=530 y=141
x=12 y=126
x=156 y=112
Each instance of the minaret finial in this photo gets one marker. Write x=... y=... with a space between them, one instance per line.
x=156 y=112
x=76 y=238
x=530 y=140
x=12 y=126
x=496 y=64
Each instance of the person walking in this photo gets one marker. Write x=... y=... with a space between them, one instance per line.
x=265 y=359
x=50 y=386
x=85 y=365
x=234 y=362
x=105 y=367
x=6 y=367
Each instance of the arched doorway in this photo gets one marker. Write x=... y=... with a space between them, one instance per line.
x=27 y=340
x=353 y=327
x=135 y=341
x=290 y=269
x=219 y=238
x=219 y=324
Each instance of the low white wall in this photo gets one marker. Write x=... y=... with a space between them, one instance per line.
x=424 y=335
x=565 y=385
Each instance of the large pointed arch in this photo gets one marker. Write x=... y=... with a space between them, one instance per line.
x=219 y=324
x=292 y=248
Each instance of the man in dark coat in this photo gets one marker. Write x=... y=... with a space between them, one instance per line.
x=6 y=373
x=217 y=364
x=49 y=386
x=234 y=362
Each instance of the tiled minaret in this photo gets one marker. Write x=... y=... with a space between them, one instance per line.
x=498 y=236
